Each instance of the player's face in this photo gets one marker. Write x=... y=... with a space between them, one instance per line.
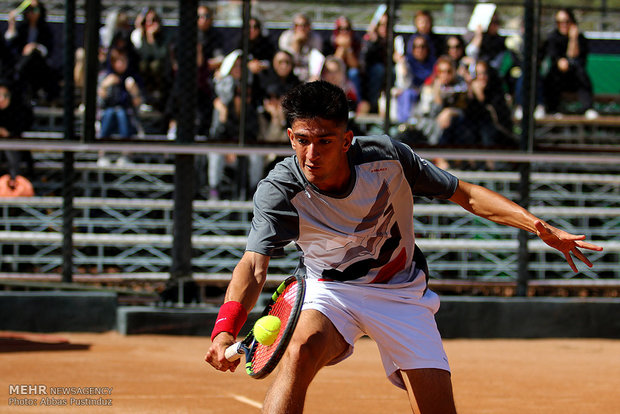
x=321 y=147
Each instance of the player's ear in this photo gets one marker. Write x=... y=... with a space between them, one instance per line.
x=291 y=136
x=348 y=139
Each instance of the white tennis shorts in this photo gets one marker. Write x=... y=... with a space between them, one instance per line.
x=399 y=318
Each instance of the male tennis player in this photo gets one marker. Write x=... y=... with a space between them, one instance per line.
x=348 y=205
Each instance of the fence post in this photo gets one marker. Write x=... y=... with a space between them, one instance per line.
x=91 y=51
x=531 y=19
x=68 y=171
x=389 y=65
x=184 y=176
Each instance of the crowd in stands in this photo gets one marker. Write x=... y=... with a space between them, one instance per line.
x=448 y=90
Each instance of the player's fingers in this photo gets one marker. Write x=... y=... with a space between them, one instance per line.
x=581 y=257
x=589 y=246
x=569 y=259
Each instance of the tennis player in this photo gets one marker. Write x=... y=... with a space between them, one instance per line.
x=347 y=203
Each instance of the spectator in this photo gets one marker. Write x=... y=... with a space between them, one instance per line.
x=488 y=45
x=210 y=37
x=374 y=57
x=455 y=48
x=305 y=46
x=32 y=40
x=7 y=60
x=260 y=47
x=345 y=45
x=335 y=72
x=487 y=114
x=204 y=96
x=441 y=111
x=15 y=118
x=423 y=22
x=153 y=49
x=226 y=121
x=274 y=83
x=119 y=96
x=567 y=51
x=412 y=70
x=117 y=21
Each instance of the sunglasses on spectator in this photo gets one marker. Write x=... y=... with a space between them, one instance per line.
x=562 y=21
x=454 y=46
x=419 y=46
x=304 y=24
x=205 y=16
x=284 y=62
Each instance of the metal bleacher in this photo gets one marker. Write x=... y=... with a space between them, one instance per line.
x=123 y=228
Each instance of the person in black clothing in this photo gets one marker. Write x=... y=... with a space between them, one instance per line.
x=15 y=118
x=374 y=59
x=423 y=22
x=488 y=45
x=260 y=47
x=487 y=113
x=32 y=41
x=567 y=51
x=210 y=37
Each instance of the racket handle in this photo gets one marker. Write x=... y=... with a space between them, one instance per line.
x=233 y=352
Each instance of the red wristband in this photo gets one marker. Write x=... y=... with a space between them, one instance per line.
x=230 y=319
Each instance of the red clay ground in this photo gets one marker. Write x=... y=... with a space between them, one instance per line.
x=166 y=374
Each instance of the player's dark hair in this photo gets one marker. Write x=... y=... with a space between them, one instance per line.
x=319 y=99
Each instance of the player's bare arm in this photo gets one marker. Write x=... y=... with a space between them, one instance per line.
x=245 y=286
x=497 y=208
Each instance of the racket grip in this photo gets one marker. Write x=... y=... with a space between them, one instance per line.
x=233 y=352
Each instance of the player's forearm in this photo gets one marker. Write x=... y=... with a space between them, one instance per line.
x=493 y=206
x=248 y=279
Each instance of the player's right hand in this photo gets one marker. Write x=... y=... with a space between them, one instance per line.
x=216 y=353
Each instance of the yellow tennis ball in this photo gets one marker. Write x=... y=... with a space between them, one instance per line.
x=266 y=329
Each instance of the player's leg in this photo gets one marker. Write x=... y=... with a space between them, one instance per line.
x=315 y=343
x=429 y=390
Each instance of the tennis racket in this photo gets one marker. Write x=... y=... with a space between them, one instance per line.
x=285 y=303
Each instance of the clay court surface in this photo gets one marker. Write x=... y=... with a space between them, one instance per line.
x=166 y=374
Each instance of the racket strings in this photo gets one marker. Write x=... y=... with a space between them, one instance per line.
x=282 y=308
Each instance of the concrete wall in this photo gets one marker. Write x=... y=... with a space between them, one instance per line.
x=57 y=311
x=458 y=317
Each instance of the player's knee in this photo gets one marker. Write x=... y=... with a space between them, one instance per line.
x=308 y=352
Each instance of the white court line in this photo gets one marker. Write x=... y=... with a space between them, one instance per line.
x=247 y=401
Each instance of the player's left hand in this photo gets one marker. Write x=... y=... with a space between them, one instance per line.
x=566 y=243
x=216 y=353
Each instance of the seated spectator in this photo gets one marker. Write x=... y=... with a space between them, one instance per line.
x=274 y=83
x=412 y=70
x=345 y=45
x=210 y=37
x=374 y=57
x=335 y=72
x=7 y=60
x=260 y=47
x=119 y=96
x=204 y=95
x=488 y=45
x=567 y=51
x=441 y=111
x=226 y=122
x=15 y=118
x=423 y=22
x=455 y=48
x=305 y=46
x=32 y=40
x=153 y=49
x=487 y=114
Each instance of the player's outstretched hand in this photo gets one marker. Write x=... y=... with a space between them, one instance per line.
x=566 y=243
x=215 y=355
